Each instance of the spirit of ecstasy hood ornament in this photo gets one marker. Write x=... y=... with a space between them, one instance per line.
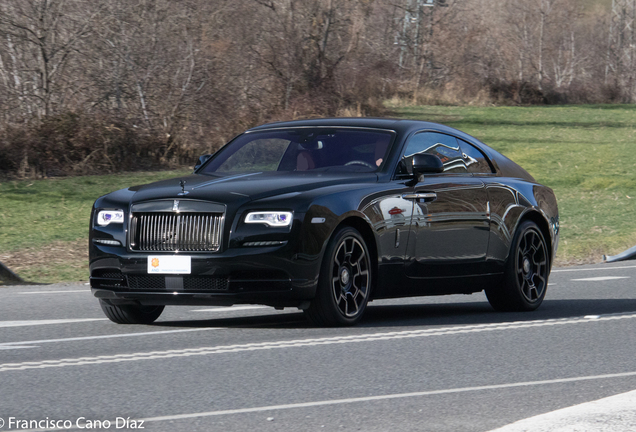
x=182 y=183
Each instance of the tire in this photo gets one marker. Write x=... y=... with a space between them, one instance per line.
x=131 y=314
x=525 y=279
x=345 y=281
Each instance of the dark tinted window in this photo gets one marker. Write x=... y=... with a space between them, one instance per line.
x=256 y=155
x=476 y=161
x=445 y=147
x=303 y=149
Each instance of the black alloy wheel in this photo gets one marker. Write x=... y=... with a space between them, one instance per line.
x=345 y=281
x=526 y=277
x=130 y=314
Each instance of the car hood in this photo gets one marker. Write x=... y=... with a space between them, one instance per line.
x=243 y=187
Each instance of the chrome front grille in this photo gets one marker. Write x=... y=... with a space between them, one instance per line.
x=168 y=231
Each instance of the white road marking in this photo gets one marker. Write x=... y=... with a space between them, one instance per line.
x=47 y=322
x=230 y=309
x=9 y=345
x=614 y=413
x=55 y=292
x=380 y=398
x=591 y=269
x=372 y=337
x=387 y=397
x=600 y=278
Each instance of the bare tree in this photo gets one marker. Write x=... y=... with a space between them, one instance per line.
x=304 y=41
x=161 y=80
x=41 y=38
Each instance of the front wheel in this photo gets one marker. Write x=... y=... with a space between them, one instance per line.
x=525 y=279
x=344 y=284
x=130 y=314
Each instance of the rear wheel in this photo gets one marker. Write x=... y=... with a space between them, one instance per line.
x=131 y=314
x=526 y=277
x=344 y=284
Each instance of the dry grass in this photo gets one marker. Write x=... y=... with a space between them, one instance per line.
x=451 y=94
x=44 y=223
x=56 y=253
x=49 y=264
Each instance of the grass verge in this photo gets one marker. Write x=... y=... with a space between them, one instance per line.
x=44 y=223
x=585 y=153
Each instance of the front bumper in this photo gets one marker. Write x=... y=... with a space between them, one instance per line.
x=272 y=276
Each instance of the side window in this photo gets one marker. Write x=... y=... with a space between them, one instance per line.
x=476 y=161
x=445 y=147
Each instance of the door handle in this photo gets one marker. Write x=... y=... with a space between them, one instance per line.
x=426 y=196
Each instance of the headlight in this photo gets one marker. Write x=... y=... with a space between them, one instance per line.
x=271 y=218
x=106 y=217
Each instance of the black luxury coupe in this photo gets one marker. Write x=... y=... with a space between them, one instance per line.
x=326 y=215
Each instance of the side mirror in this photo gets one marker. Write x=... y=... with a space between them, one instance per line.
x=426 y=163
x=202 y=159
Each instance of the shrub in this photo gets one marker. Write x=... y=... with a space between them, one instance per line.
x=77 y=144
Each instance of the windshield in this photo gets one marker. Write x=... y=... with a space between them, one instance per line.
x=303 y=149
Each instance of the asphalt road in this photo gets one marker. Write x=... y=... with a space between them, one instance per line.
x=421 y=364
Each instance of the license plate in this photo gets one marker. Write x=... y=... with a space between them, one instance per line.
x=169 y=264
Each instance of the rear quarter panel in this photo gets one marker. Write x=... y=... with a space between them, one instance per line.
x=511 y=202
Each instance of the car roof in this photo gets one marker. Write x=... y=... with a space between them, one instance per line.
x=401 y=126
x=398 y=125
